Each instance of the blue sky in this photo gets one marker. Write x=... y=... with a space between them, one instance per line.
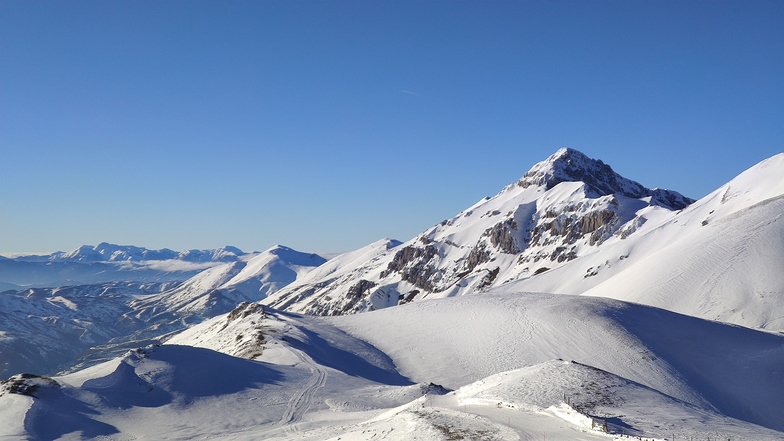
x=327 y=125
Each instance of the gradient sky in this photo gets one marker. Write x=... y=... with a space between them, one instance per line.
x=327 y=125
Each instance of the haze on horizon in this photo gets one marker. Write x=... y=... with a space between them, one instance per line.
x=327 y=125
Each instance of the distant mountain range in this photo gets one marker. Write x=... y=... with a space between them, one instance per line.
x=49 y=329
x=106 y=263
x=107 y=252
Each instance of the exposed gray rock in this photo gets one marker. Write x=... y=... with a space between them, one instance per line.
x=356 y=293
x=408 y=296
x=413 y=264
x=488 y=279
x=669 y=199
x=477 y=256
x=502 y=237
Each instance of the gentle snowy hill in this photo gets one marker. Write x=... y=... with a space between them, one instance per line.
x=564 y=208
x=184 y=392
x=460 y=340
x=219 y=289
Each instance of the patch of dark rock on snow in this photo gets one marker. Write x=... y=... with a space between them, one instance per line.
x=501 y=236
x=26 y=384
x=413 y=264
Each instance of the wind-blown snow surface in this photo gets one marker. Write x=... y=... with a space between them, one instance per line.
x=733 y=369
x=512 y=359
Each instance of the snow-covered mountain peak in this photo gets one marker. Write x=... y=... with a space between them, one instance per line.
x=565 y=207
x=227 y=253
x=569 y=165
x=293 y=257
x=224 y=254
x=107 y=252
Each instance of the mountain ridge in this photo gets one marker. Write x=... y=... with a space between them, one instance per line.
x=108 y=252
x=544 y=220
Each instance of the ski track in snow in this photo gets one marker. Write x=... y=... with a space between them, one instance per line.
x=302 y=400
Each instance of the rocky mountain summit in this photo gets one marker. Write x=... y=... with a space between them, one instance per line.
x=569 y=165
x=564 y=207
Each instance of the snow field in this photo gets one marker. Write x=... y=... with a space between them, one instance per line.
x=365 y=377
x=457 y=341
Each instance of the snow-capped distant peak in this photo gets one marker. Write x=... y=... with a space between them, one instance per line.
x=293 y=257
x=107 y=252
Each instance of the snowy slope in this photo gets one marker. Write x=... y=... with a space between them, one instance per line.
x=730 y=267
x=314 y=292
x=565 y=207
x=659 y=364
x=272 y=270
x=184 y=392
x=460 y=340
x=646 y=372
x=219 y=289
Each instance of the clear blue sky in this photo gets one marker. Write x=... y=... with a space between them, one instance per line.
x=327 y=125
